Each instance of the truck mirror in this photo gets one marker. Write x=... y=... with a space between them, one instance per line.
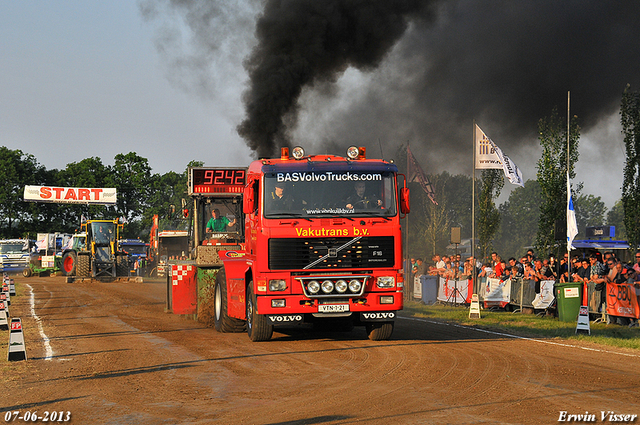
x=249 y=200
x=405 y=206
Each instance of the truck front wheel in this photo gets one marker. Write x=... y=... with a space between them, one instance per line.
x=69 y=263
x=221 y=319
x=378 y=331
x=258 y=326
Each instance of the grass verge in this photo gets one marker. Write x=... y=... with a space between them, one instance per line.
x=529 y=325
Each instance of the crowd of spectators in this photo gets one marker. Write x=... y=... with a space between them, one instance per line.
x=595 y=267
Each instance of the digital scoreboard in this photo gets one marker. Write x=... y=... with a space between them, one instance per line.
x=217 y=180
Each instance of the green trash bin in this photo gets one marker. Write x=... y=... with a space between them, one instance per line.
x=569 y=298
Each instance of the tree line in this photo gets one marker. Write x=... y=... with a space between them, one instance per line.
x=141 y=194
x=527 y=218
x=530 y=215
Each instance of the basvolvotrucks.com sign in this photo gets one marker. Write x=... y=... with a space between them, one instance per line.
x=70 y=195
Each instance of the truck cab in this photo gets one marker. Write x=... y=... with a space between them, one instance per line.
x=136 y=252
x=14 y=255
x=323 y=244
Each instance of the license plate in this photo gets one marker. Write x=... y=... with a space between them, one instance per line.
x=333 y=308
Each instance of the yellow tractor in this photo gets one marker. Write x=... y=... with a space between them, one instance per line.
x=100 y=256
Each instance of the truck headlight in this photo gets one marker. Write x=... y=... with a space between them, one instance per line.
x=355 y=285
x=298 y=152
x=386 y=282
x=352 y=152
x=341 y=286
x=327 y=286
x=277 y=285
x=278 y=303
x=313 y=286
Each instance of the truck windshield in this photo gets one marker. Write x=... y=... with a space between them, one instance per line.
x=103 y=233
x=11 y=248
x=322 y=194
x=220 y=220
x=134 y=249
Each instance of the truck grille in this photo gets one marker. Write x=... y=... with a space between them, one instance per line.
x=364 y=252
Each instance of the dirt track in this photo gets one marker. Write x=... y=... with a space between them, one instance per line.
x=117 y=357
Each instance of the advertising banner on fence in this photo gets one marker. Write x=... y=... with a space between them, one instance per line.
x=545 y=297
x=70 y=195
x=417 y=287
x=496 y=293
x=622 y=300
x=455 y=291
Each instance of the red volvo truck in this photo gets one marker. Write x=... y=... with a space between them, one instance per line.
x=319 y=241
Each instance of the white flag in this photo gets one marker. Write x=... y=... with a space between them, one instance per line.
x=491 y=153
x=486 y=157
x=572 y=226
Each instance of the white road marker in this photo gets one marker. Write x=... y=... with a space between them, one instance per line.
x=418 y=319
x=47 y=346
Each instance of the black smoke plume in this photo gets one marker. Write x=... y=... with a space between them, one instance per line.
x=307 y=42
x=504 y=63
x=428 y=69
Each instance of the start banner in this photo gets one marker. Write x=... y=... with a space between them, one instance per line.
x=70 y=195
x=622 y=300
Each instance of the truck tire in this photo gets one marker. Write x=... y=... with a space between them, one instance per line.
x=379 y=331
x=221 y=319
x=258 y=326
x=69 y=263
x=122 y=265
x=27 y=272
x=83 y=268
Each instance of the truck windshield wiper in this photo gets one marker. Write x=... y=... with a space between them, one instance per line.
x=372 y=214
x=285 y=214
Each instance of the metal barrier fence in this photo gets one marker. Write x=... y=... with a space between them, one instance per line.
x=522 y=294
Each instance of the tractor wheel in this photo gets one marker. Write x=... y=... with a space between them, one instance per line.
x=69 y=263
x=378 y=331
x=258 y=326
x=122 y=265
x=221 y=319
x=84 y=266
x=27 y=272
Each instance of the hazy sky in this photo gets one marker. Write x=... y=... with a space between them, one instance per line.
x=83 y=79
x=165 y=79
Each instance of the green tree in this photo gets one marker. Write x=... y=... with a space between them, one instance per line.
x=519 y=223
x=552 y=174
x=590 y=211
x=17 y=170
x=90 y=172
x=488 y=216
x=458 y=196
x=167 y=194
x=615 y=217
x=630 y=120
x=131 y=175
x=45 y=217
x=432 y=222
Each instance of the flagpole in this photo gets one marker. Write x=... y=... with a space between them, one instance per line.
x=568 y=186
x=408 y=278
x=473 y=212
